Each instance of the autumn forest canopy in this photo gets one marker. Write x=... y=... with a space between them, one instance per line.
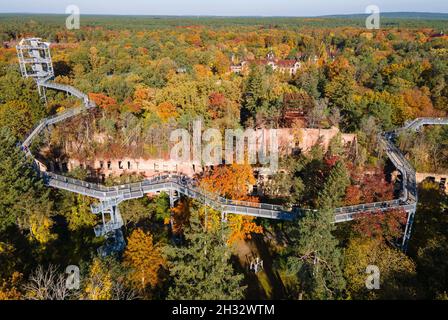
x=151 y=75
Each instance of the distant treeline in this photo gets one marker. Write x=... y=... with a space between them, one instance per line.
x=12 y=25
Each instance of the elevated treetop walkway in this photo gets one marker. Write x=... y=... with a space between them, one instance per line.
x=416 y=124
x=110 y=197
x=87 y=104
x=186 y=186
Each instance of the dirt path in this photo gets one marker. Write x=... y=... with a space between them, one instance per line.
x=265 y=284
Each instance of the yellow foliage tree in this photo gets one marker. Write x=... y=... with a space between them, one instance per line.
x=4 y=247
x=202 y=71
x=242 y=228
x=40 y=227
x=9 y=289
x=144 y=258
x=99 y=283
x=221 y=63
x=395 y=268
x=142 y=97
x=80 y=215
x=94 y=58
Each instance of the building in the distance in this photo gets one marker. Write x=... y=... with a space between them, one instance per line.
x=285 y=66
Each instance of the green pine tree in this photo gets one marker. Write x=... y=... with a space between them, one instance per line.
x=316 y=259
x=21 y=188
x=255 y=95
x=201 y=269
x=334 y=189
x=20 y=106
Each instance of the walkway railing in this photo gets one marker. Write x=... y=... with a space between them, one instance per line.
x=112 y=196
x=66 y=88
x=60 y=116
x=419 y=122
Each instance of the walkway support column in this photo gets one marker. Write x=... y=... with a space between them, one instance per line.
x=111 y=229
x=408 y=229
x=223 y=216
x=173 y=199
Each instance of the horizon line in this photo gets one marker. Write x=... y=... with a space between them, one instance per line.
x=224 y=16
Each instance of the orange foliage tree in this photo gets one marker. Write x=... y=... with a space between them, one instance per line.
x=418 y=103
x=102 y=100
x=166 y=110
x=232 y=182
x=353 y=195
x=217 y=104
x=141 y=98
x=180 y=215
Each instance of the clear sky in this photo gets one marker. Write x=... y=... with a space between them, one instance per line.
x=223 y=7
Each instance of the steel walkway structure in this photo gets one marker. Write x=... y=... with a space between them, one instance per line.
x=110 y=197
x=87 y=104
x=175 y=184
